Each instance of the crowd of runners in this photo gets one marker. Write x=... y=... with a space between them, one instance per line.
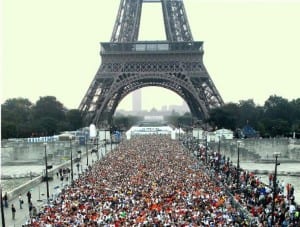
x=155 y=181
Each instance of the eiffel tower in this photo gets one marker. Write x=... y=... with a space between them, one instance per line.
x=128 y=64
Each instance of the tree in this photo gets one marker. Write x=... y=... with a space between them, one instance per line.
x=278 y=108
x=295 y=115
x=186 y=120
x=48 y=114
x=225 y=117
x=15 y=118
x=8 y=130
x=278 y=117
x=248 y=113
x=173 y=119
x=124 y=123
x=47 y=126
x=48 y=106
x=74 y=119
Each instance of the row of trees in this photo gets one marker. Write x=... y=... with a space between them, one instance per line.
x=20 y=118
x=278 y=117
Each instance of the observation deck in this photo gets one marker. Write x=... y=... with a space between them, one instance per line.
x=151 y=46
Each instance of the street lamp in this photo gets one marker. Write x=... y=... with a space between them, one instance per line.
x=97 y=147
x=206 y=144
x=105 y=142
x=46 y=167
x=219 y=153
x=86 y=150
x=2 y=208
x=276 y=155
x=238 y=166
x=111 y=131
x=72 y=176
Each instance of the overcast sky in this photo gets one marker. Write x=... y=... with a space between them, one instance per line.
x=51 y=47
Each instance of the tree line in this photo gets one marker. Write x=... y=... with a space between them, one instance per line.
x=21 y=118
x=277 y=117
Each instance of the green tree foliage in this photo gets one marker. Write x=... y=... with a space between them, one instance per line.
x=21 y=118
x=16 y=117
x=184 y=121
x=173 y=119
x=73 y=119
x=278 y=116
x=123 y=123
x=278 y=108
x=295 y=115
x=48 y=106
x=8 y=129
x=48 y=113
x=248 y=113
x=225 y=117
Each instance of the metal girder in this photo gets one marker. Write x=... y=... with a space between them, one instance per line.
x=176 y=23
x=126 y=28
x=127 y=24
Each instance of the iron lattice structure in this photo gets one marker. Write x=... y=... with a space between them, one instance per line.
x=128 y=64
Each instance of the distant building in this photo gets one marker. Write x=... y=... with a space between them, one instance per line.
x=137 y=100
x=154 y=118
x=164 y=108
x=183 y=108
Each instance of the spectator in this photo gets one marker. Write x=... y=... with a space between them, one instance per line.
x=28 y=197
x=13 y=211
x=21 y=201
x=5 y=199
x=30 y=207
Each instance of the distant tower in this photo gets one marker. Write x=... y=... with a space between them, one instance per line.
x=184 y=106
x=137 y=100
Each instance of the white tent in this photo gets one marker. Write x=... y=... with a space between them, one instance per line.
x=224 y=134
x=180 y=130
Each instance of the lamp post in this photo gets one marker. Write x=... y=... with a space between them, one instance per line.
x=238 y=166
x=46 y=175
x=72 y=176
x=78 y=161
x=206 y=144
x=86 y=150
x=274 y=186
x=105 y=141
x=111 y=131
x=219 y=145
x=219 y=153
x=2 y=208
x=97 y=147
